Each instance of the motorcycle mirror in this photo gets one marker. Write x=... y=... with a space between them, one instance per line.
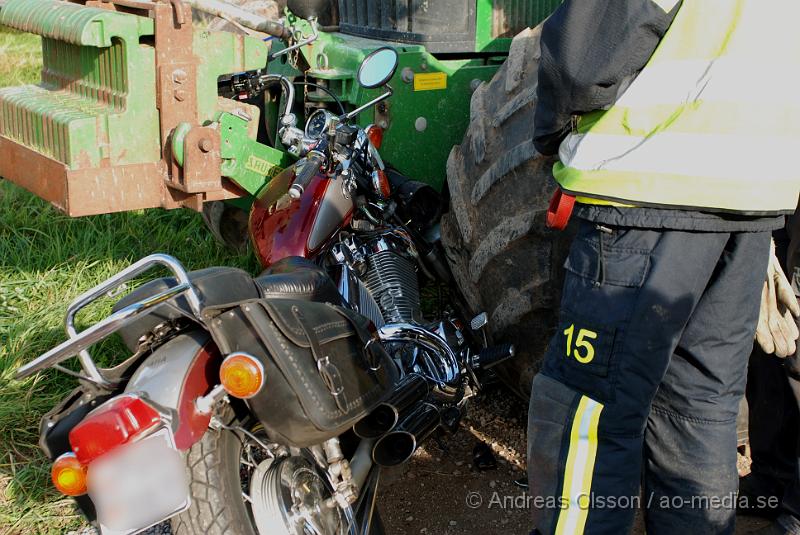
x=377 y=68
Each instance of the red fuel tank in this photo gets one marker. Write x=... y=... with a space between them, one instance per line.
x=281 y=226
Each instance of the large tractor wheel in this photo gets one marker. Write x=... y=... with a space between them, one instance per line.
x=504 y=259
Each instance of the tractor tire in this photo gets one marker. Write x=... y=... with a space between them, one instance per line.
x=504 y=259
x=228 y=224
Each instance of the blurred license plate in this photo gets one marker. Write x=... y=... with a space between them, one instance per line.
x=139 y=484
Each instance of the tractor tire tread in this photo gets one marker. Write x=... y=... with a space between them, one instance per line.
x=503 y=257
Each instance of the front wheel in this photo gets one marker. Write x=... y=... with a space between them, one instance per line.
x=228 y=223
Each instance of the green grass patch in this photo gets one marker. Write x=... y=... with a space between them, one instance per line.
x=20 y=57
x=46 y=260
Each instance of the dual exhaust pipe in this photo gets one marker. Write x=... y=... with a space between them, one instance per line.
x=401 y=423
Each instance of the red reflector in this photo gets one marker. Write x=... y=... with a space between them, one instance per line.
x=560 y=210
x=111 y=425
x=375 y=135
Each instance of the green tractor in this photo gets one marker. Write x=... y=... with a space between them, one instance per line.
x=146 y=104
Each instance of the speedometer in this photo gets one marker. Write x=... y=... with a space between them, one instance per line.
x=318 y=123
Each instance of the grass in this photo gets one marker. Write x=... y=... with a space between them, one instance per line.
x=46 y=260
x=20 y=58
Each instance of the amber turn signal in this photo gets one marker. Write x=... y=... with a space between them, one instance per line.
x=241 y=375
x=69 y=475
x=382 y=185
x=375 y=135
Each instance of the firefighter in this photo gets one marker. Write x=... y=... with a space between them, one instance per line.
x=674 y=123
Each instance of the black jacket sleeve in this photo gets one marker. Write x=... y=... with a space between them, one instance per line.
x=589 y=49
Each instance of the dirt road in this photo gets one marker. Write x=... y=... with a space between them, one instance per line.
x=440 y=493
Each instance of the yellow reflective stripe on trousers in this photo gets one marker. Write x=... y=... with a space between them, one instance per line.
x=579 y=468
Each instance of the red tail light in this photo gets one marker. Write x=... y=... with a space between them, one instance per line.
x=111 y=425
x=375 y=135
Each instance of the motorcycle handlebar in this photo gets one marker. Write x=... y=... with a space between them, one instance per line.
x=314 y=162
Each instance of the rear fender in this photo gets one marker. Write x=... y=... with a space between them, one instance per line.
x=174 y=376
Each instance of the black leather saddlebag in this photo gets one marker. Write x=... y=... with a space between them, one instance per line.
x=324 y=369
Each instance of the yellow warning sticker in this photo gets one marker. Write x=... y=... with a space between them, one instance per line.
x=261 y=167
x=429 y=81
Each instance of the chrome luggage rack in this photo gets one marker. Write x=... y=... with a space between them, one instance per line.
x=78 y=343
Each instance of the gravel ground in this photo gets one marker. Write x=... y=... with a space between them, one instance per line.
x=440 y=493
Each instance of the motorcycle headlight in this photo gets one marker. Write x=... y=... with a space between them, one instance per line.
x=290 y=497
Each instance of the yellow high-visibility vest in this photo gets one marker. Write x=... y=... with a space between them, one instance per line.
x=712 y=122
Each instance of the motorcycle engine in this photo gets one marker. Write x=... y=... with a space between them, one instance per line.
x=384 y=264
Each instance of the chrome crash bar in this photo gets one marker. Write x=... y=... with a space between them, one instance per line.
x=78 y=343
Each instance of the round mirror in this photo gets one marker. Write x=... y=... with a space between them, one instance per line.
x=377 y=68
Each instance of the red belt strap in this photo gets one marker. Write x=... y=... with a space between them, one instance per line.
x=560 y=210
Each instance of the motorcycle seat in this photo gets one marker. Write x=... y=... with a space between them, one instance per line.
x=291 y=278
x=296 y=277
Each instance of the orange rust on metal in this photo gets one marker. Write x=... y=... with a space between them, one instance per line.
x=197 y=161
x=35 y=172
x=93 y=191
x=177 y=98
x=82 y=191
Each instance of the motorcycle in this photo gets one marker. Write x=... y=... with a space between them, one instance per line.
x=269 y=405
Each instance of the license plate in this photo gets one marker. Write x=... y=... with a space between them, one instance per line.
x=139 y=484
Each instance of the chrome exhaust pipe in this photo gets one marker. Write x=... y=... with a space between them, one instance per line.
x=397 y=446
x=408 y=392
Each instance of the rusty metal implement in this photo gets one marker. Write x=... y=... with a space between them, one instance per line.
x=98 y=133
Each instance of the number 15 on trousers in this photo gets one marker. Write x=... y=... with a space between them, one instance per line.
x=582 y=350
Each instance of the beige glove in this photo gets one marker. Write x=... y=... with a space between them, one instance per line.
x=777 y=330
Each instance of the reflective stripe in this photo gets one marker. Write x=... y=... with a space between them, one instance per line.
x=730 y=158
x=660 y=190
x=712 y=121
x=579 y=468
x=722 y=118
x=707 y=81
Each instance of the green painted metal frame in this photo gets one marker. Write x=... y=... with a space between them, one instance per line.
x=101 y=109
x=96 y=101
x=421 y=126
x=248 y=163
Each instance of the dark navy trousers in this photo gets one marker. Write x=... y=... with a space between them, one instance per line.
x=636 y=402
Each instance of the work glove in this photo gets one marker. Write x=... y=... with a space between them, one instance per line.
x=777 y=330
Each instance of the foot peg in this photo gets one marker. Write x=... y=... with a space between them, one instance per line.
x=492 y=356
x=479 y=321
